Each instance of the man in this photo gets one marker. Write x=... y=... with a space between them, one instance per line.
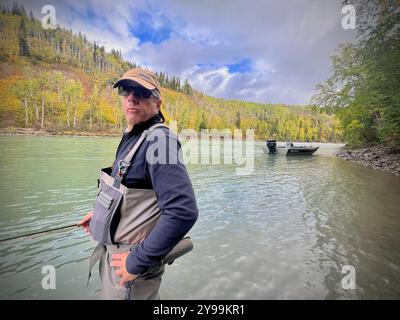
x=173 y=211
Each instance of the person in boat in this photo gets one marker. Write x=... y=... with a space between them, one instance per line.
x=158 y=207
x=289 y=144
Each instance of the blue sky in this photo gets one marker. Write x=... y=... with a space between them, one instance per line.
x=259 y=50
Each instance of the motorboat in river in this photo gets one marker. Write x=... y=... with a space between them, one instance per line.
x=291 y=149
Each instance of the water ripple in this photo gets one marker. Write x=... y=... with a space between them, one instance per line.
x=284 y=232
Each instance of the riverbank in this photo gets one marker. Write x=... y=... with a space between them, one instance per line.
x=40 y=132
x=378 y=157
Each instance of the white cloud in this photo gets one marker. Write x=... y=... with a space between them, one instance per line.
x=108 y=24
x=289 y=42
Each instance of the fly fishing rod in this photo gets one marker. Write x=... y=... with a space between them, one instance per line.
x=39 y=232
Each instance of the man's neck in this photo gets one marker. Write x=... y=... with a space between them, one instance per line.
x=129 y=128
x=131 y=125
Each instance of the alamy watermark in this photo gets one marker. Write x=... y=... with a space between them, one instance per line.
x=49 y=279
x=349 y=20
x=349 y=280
x=210 y=146
x=49 y=20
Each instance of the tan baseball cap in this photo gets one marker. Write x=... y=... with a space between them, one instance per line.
x=142 y=77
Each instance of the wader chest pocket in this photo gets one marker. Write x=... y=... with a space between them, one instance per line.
x=105 y=211
x=105 y=200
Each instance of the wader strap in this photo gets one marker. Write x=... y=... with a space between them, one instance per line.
x=144 y=135
x=94 y=258
x=124 y=164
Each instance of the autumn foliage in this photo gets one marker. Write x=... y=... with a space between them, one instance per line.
x=56 y=80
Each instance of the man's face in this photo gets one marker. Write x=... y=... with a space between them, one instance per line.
x=138 y=110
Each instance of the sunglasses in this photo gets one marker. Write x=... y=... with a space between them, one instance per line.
x=139 y=92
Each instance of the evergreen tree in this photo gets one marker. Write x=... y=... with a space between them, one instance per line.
x=187 y=89
x=24 y=49
x=31 y=16
x=22 y=11
x=94 y=53
x=238 y=123
x=15 y=9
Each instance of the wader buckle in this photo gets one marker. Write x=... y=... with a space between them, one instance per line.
x=122 y=167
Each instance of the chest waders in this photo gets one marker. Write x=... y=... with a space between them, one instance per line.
x=122 y=219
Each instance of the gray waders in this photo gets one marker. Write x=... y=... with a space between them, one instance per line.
x=122 y=219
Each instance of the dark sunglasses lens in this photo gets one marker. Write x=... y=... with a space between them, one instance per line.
x=139 y=92
x=122 y=91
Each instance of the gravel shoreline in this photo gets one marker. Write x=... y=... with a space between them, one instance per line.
x=38 y=132
x=378 y=157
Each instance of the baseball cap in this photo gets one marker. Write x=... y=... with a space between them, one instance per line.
x=140 y=76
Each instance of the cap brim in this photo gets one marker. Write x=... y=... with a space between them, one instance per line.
x=134 y=81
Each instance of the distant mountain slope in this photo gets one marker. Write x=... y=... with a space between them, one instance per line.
x=56 y=80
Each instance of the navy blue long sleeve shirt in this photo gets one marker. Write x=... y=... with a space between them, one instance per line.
x=175 y=196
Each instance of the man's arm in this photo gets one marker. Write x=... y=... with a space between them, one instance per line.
x=177 y=201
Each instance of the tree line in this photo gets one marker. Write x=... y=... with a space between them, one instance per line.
x=66 y=101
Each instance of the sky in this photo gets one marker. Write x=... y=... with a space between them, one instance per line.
x=254 y=50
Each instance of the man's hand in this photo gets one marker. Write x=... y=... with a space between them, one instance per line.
x=85 y=221
x=118 y=261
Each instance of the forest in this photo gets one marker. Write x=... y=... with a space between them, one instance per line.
x=59 y=81
x=364 y=88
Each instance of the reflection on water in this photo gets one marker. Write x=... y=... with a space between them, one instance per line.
x=284 y=232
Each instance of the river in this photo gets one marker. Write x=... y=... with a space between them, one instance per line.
x=287 y=230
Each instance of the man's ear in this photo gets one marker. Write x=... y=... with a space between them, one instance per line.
x=159 y=103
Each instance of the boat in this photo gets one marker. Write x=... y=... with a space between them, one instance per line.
x=293 y=150
x=290 y=149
